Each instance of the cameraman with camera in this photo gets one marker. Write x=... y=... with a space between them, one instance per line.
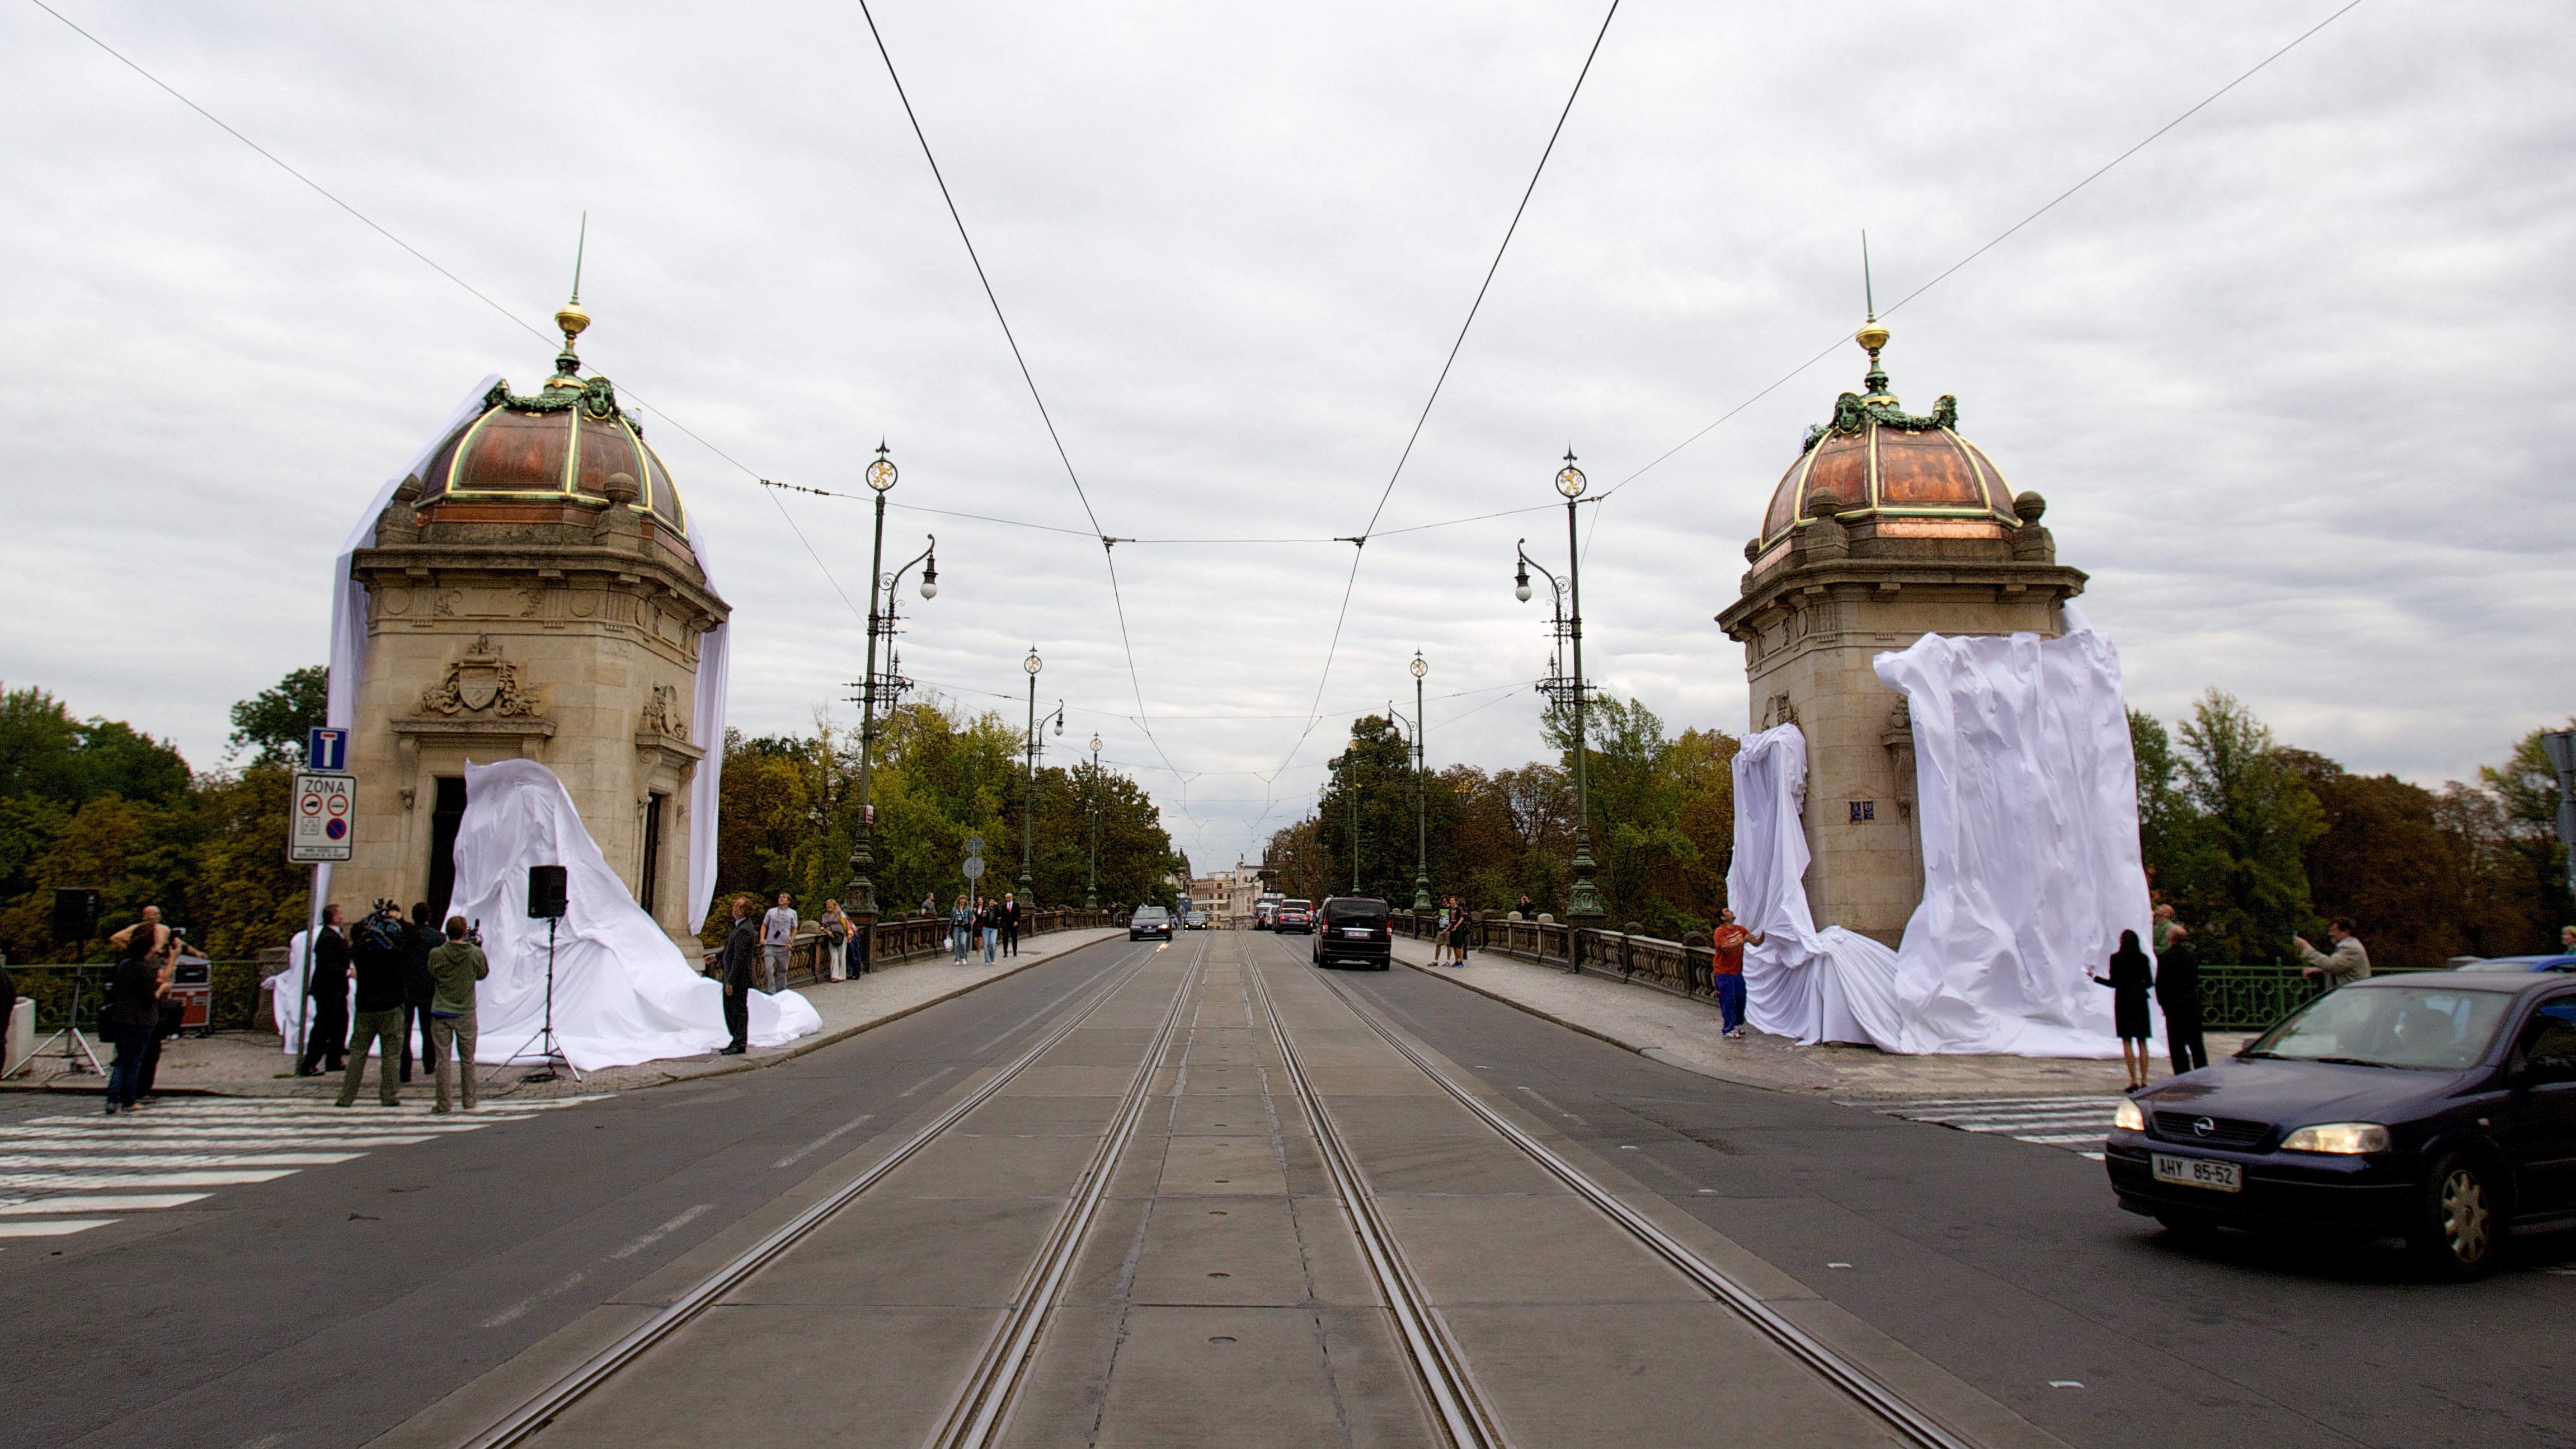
x=377 y=955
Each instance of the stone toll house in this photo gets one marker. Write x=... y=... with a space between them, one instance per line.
x=533 y=592
x=1889 y=526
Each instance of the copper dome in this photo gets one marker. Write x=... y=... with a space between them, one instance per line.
x=560 y=446
x=1903 y=474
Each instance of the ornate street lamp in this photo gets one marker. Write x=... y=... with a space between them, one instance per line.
x=1421 y=797
x=1029 y=800
x=1583 y=899
x=861 y=892
x=1091 y=892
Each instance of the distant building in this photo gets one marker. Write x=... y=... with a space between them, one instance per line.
x=1889 y=526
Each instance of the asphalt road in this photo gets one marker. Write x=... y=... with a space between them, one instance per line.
x=325 y=1307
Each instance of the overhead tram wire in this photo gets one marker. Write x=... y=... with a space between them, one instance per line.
x=1108 y=549
x=1359 y=542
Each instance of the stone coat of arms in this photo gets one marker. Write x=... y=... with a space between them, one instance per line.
x=480 y=682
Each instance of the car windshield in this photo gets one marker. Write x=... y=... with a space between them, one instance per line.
x=2426 y=1027
x=1151 y=913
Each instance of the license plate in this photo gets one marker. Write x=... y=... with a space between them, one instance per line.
x=2200 y=1172
x=1359 y=932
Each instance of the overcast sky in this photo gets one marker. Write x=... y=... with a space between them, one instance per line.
x=2290 y=377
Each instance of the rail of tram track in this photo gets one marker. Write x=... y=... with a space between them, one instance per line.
x=980 y=1407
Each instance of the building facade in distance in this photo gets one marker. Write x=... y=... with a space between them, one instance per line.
x=532 y=592
x=1889 y=526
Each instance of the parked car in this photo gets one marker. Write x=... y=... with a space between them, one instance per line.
x=2436 y=1108
x=2517 y=963
x=1149 y=921
x=1293 y=916
x=1354 y=928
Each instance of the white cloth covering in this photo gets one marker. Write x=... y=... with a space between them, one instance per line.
x=2027 y=802
x=706 y=793
x=623 y=992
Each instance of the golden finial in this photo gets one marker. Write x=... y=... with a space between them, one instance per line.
x=570 y=319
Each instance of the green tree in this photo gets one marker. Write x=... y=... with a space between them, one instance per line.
x=278 y=719
x=2233 y=863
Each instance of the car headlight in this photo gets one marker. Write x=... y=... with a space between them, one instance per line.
x=2345 y=1138
x=2127 y=1118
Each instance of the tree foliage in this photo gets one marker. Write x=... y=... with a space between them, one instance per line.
x=277 y=720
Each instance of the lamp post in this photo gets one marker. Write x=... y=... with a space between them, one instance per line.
x=1583 y=899
x=861 y=892
x=1091 y=892
x=1029 y=800
x=1421 y=798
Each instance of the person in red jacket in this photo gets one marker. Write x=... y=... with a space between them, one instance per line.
x=1726 y=969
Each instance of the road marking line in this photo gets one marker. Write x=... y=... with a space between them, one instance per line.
x=664 y=1231
x=810 y=1148
x=188 y=1159
x=56 y=1229
x=127 y=1202
x=141 y=1179
x=519 y=1310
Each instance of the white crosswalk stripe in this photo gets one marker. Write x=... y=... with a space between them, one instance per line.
x=57 y=1174
x=2075 y=1122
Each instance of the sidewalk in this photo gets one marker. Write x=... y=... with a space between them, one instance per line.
x=1684 y=1033
x=249 y=1064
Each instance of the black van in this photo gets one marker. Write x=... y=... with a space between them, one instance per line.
x=1354 y=928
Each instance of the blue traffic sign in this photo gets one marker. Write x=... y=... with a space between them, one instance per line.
x=326 y=749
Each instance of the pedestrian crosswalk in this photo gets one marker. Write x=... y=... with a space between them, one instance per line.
x=2077 y=1123
x=58 y=1174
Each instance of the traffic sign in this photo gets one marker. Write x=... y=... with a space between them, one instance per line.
x=974 y=845
x=320 y=816
x=974 y=867
x=326 y=750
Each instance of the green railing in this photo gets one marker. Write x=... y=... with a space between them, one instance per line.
x=2250 y=998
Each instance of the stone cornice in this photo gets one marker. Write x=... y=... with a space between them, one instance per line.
x=1888 y=578
x=546 y=563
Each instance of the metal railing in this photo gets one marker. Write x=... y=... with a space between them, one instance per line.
x=2232 y=998
x=912 y=938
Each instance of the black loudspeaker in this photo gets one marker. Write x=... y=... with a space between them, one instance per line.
x=75 y=914
x=545 y=892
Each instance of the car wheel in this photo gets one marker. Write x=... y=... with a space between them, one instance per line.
x=2458 y=1220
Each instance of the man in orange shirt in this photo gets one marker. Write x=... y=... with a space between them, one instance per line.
x=1727 y=969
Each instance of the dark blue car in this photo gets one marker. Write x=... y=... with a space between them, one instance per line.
x=2437 y=1107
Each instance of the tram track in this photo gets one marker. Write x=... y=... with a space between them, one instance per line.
x=1442 y=1365
x=978 y=1407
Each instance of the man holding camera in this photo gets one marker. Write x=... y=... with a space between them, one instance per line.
x=454 y=966
x=376 y=956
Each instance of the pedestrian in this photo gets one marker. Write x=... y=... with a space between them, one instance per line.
x=1461 y=929
x=454 y=965
x=2178 y=993
x=1010 y=923
x=326 y=1009
x=133 y=1010
x=1726 y=970
x=832 y=946
x=736 y=961
x=167 y=1011
x=777 y=937
x=1527 y=909
x=2130 y=979
x=2349 y=961
x=988 y=920
x=2161 y=928
x=419 y=990
x=8 y=1010
x=960 y=921
x=2567 y=940
x=930 y=903
x=378 y=958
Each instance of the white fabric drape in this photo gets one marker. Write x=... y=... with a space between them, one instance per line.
x=2027 y=802
x=623 y=992
x=349 y=608
x=706 y=795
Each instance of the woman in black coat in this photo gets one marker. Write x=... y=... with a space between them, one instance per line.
x=2131 y=978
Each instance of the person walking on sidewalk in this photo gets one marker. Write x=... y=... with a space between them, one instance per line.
x=454 y=965
x=2130 y=980
x=419 y=990
x=833 y=948
x=133 y=1012
x=2178 y=993
x=1726 y=971
x=2347 y=963
x=988 y=920
x=1010 y=923
x=326 y=1011
x=961 y=921
x=777 y=935
x=741 y=952
x=377 y=958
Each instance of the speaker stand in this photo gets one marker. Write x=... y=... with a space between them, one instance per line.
x=553 y=1045
x=76 y=1053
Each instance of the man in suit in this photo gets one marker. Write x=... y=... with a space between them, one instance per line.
x=740 y=955
x=2178 y=993
x=2346 y=963
x=326 y=1013
x=1010 y=923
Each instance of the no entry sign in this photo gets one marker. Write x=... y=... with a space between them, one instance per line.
x=320 y=814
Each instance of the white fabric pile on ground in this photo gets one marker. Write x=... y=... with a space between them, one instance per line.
x=2026 y=795
x=623 y=992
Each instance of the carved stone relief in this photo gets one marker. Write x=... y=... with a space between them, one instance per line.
x=478 y=683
